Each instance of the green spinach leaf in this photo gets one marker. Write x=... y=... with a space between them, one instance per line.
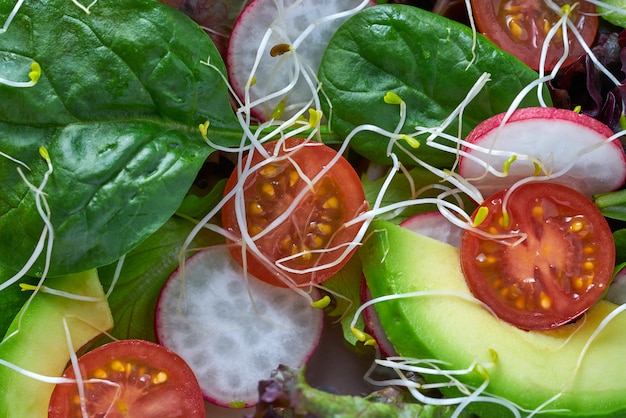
x=12 y=298
x=423 y=58
x=122 y=92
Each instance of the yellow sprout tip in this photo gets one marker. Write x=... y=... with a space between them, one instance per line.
x=237 y=404
x=506 y=220
x=507 y=164
x=482 y=371
x=360 y=335
x=494 y=355
x=204 y=128
x=537 y=169
x=392 y=98
x=578 y=109
x=278 y=110
x=27 y=287
x=321 y=303
x=43 y=151
x=35 y=72
x=481 y=215
x=622 y=122
x=363 y=337
x=413 y=143
x=370 y=342
x=315 y=116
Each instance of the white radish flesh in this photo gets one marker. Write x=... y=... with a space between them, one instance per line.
x=233 y=333
x=557 y=139
x=283 y=59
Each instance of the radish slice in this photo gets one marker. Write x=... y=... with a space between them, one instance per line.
x=555 y=137
x=283 y=57
x=232 y=334
x=436 y=226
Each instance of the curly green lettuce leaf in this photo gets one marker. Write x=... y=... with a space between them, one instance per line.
x=119 y=97
x=287 y=389
x=428 y=61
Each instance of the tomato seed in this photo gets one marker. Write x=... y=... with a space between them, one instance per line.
x=544 y=301
x=254 y=208
x=269 y=171
x=268 y=190
x=160 y=377
x=588 y=265
x=576 y=226
x=324 y=229
x=100 y=374
x=331 y=203
x=517 y=30
x=293 y=178
x=117 y=366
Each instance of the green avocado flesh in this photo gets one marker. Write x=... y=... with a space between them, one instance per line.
x=526 y=367
x=40 y=345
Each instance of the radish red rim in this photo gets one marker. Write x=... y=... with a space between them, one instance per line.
x=280 y=87
x=542 y=141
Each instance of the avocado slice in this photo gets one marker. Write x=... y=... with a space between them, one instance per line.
x=40 y=345
x=529 y=368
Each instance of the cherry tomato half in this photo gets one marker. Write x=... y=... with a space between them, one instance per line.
x=138 y=379
x=520 y=27
x=562 y=267
x=314 y=231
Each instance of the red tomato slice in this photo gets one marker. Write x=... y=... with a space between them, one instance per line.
x=141 y=379
x=520 y=27
x=317 y=222
x=562 y=267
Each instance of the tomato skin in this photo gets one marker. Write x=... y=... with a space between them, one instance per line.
x=520 y=26
x=315 y=224
x=154 y=382
x=562 y=267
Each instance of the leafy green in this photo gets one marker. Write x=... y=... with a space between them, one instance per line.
x=143 y=273
x=12 y=299
x=613 y=11
x=196 y=206
x=612 y=204
x=122 y=92
x=347 y=284
x=288 y=389
x=415 y=54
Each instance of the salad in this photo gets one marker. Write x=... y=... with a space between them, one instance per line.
x=378 y=169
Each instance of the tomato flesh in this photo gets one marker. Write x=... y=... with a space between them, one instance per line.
x=313 y=228
x=520 y=27
x=558 y=271
x=137 y=379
